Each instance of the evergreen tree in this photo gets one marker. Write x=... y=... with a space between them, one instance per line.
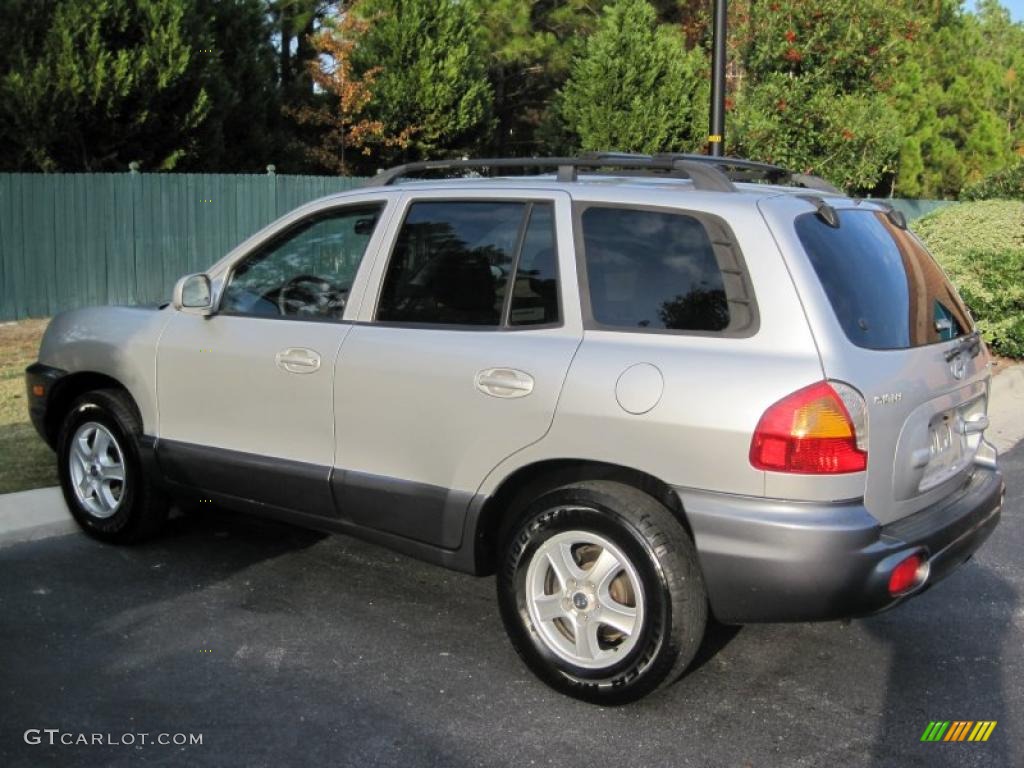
x=812 y=86
x=430 y=81
x=529 y=49
x=1004 y=43
x=294 y=24
x=106 y=82
x=245 y=129
x=635 y=87
x=949 y=99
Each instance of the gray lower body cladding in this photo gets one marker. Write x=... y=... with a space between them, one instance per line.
x=768 y=560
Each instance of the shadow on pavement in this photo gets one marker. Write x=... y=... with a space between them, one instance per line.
x=130 y=642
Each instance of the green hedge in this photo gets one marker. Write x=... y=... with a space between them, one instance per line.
x=1007 y=184
x=981 y=247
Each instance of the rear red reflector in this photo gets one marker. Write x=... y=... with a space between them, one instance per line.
x=808 y=432
x=907 y=575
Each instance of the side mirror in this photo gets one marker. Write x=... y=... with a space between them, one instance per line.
x=194 y=295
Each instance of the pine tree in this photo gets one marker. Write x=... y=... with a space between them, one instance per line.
x=108 y=82
x=430 y=81
x=949 y=99
x=245 y=129
x=635 y=87
x=529 y=49
x=295 y=23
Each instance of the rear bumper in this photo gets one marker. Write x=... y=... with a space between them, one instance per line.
x=770 y=560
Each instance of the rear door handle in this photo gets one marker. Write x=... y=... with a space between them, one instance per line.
x=504 y=382
x=298 y=360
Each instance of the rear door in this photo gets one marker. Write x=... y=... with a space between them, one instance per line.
x=463 y=344
x=888 y=321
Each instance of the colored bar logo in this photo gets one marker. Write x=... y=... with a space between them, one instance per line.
x=958 y=730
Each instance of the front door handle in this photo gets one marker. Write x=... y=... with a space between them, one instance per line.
x=298 y=360
x=504 y=382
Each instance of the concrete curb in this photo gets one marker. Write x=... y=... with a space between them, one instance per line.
x=31 y=515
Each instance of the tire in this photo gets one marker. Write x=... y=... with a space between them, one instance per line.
x=657 y=600
x=100 y=435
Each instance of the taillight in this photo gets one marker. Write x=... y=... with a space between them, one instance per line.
x=817 y=430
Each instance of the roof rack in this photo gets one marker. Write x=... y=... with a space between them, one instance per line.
x=703 y=176
x=707 y=173
x=739 y=169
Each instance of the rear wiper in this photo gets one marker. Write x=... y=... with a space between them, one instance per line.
x=970 y=343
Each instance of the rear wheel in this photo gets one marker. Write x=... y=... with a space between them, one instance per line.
x=101 y=473
x=601 y=593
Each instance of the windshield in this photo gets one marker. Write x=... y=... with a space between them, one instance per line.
x=886 y=290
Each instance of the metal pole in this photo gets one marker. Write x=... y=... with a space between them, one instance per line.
x=716 y=134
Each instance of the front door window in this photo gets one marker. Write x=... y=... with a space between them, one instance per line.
x=307 y=272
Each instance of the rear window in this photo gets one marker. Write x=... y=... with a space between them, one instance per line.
x=886 y=290
x=652 y=270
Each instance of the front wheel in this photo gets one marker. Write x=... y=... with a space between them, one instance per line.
x=101 y=473
x=601 y=593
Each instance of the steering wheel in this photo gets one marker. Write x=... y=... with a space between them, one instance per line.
x=311 y=295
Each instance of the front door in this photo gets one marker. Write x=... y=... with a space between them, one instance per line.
x=458 y=360
x=245 y=396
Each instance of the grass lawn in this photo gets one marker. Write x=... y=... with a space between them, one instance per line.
x=25 y=460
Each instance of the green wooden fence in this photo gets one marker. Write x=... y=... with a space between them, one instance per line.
x=71 y=240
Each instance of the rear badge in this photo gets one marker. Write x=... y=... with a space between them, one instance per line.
x=889 y=398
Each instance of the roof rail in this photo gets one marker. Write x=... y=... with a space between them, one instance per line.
x=740 y=169
x=704 y=176
x=706 y=172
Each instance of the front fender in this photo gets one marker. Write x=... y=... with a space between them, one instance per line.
x=119 y=342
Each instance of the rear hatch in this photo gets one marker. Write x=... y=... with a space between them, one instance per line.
x=888 y=321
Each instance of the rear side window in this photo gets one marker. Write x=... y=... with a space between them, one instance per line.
x=885 y=289
x=651 y=269
x=455 y=263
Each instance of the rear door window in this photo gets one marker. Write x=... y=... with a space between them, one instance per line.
x=653 y=270
x=885 y=289
x=455 y=263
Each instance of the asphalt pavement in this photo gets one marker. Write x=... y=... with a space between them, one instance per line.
x=281 y=647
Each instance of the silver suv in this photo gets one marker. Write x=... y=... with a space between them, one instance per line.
x=643 y=391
